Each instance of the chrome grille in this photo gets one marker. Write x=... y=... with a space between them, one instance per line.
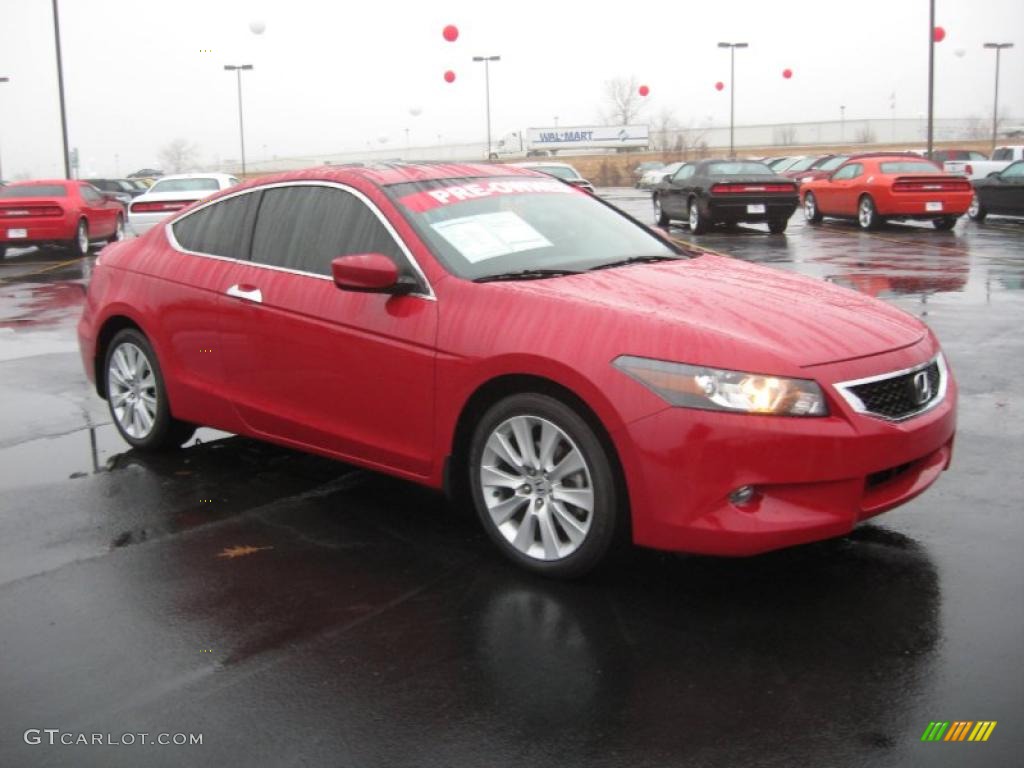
x=898 y=395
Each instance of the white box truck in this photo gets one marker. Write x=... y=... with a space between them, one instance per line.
x=542 y=142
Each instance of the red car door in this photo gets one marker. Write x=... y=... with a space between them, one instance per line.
x=315 y=366
x=100 y=212
x=839 y=195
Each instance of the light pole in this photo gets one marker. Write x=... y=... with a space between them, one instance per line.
x=237 y=69
x=487 y=85
x=3 y=80
x=998 y=48
x=842 y=123
x=732 y=89
x=60 y=91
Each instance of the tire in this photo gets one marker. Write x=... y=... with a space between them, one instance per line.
x=80 y=245
x=698 y=224
x=522 y=502
x=118 y=230
x=137 y=397
x=867 y=215
x=811 y=211
x=660 y=215
x=777 y=226
x=944 y=222
x=3 y=250
x=977 y=211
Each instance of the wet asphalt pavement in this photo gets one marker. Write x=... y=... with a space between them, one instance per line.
x=295 y=611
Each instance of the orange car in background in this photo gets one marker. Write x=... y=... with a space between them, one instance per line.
x=872 y=189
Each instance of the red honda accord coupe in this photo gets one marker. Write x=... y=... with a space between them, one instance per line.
x=58 y=212
x=513 y=340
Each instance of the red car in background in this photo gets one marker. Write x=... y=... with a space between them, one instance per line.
x=57 y=212
x=872 y=188
x=550 y=361
x=819 y=168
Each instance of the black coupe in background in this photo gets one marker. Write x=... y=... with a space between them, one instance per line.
x=1000 y=193
x=725 y=192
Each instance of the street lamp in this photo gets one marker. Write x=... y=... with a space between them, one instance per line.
x=237 y=69
x=998 y=48
x=3 y=80
x=732 y=89
x=931 y=74
x=487 y=84
x=842 y=123
x=60 y=91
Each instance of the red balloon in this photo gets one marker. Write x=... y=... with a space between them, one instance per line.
x=644 y=90
x=939 y=34
x=449 y=76
x=787 y=73
x=451 y=33
x=719 y=85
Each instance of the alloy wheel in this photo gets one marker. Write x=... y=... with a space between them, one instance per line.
x=537 y=487
x=866 y=213
x=975 y=205
x=809 y=208
x=131 y=385
x=694 y=215
x=82 y=237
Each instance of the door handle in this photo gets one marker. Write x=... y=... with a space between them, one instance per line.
x=247 y=292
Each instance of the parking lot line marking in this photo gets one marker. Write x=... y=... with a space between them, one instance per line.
x=56 y=265
x=681 y=241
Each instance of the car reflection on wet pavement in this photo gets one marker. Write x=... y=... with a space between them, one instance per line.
x=298 y=611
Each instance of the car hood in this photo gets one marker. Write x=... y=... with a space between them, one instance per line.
x=712 y=307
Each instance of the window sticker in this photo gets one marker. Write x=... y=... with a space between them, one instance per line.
x=419 y=202
x=489 y=235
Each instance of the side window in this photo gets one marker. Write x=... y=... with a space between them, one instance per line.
x=90 y=194
x=851 y=171
x=683 y=173
x=221 y=229
x=1015 y=171
x=1003 y=153
x=307 y=227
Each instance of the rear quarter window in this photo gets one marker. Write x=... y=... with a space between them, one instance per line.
x=221 y=229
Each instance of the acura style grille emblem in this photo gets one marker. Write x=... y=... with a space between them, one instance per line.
x=922 y=388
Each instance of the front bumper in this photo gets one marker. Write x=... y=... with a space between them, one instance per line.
x=815 y=478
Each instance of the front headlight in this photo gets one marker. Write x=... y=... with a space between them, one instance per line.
x=694 y=386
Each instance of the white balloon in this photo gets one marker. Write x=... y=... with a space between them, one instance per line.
x=257 y=27
x=415 y=111
x=959 y=53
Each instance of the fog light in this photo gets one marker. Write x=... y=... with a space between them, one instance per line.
x=742 y=495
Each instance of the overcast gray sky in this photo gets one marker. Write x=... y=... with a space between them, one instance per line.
x=331 y=76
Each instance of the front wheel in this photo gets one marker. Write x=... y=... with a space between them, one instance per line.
x=777 y=226
x=137 y=396
x=543 y=485
x=944 y=222
x=659 y=213
x=867 y=216
x=698 y=224
x=977 y=211
x=811 y=211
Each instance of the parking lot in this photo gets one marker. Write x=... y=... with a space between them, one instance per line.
x=297 y=611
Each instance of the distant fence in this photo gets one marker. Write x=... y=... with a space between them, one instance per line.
x=909 y=131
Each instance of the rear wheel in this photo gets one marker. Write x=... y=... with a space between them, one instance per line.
x=944 y=222
x=3 y=250
x=137 y=396
x=811 y=211
x=80 y=245
x=659 y=214
x=118 y=230
x=543 y=485
x=977 y=211
x=777 y=226
x=698 y=223
x=867 y=216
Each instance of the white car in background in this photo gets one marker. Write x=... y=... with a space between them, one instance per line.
x=655 y=176
x=562 y=171
x=172 y=193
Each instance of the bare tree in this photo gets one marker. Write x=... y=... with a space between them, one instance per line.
x=785 y=135
x=178 y=156
x=865 y=135
x=622 y=101
x=665 y=126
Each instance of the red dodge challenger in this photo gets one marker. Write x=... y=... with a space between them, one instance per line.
x=872 y=188
x=65 y=213
x=500 y=334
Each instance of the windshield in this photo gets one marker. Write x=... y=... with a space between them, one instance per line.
x=738 y=168
x=33 y=190
x=832 y=163
x=910 y=166
x=185 y=185
x=558 y=171
x=489 y=226
x=802 y=165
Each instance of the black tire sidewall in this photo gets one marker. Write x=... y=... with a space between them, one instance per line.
x=606 y=515
x=166 y=431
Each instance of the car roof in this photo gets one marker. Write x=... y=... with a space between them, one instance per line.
x=41 y=182
x=196 y=176
x=386 y=174
x=542 y=165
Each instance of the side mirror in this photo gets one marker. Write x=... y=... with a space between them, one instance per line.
x=370 y=273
